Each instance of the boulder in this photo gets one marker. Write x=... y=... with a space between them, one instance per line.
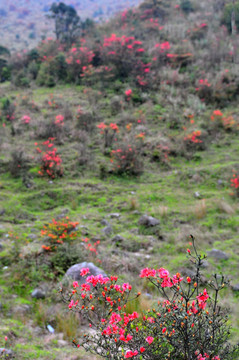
x=38 y=294
x=235 y=287
x=74 y=271
x=117 y=239
x=107 y=230
x=218 y=254
x=148 y=221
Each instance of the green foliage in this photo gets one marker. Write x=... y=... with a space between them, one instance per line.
x=186 y=6
x=67 y=22
x=228 y=13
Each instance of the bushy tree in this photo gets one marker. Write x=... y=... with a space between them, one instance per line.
x=67 y=22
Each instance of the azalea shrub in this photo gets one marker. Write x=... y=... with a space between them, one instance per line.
x=109 y=133
x=50 y=160
x=126 y=159
x=235 y=184
x=65 y=231
x=187 y=323
x=59 y=231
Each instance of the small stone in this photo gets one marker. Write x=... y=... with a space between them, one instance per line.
x=50 y=329
x=205 y=264
x=218 y=254
x=114 y=216
x=22 y=309
x=38 y=294
x=107 y=230
x=105 y=222
x=235 y=287
x=117 y=238
x=148 y=221
x=197 y=195
x=62 y=343
x=32 y=236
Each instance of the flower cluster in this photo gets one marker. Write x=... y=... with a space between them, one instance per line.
x=50 y=160
x=58 y=232
x=194 y=137
x=26 y=119
x=187 y=324
x=109 y=132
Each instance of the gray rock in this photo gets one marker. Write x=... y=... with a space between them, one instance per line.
x=107 y=230
x=7 y=353
x=114 y=216
x=218 y=254
x=32 y=236
x=148 y=221
x=117 y=239
x=62 y=343
x=235 y=287
x=205 y=264
x=105 y=222
x=197 y=195
x=74 y=271
x=22 y=309
x=38 y=294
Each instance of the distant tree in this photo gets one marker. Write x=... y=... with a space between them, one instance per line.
x=4 y=69
x=67 y=22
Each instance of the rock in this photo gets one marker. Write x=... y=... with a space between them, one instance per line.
x=105 y=222
x=1 y=247
x=22 y=309
x=2 y=212
x=50 y=329
x=38 y=294
x=32 y=236
x=117 y=239
x=107 y=230
x=7 y=353
x=197 y=195
x=74 y=271
x=114 y=216
x=235 y=287
x=205 y=264
x=218 y=254
x=62 y=343
x=148 y=221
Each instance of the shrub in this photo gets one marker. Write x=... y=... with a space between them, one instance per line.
x=19 y=163
x=185 y=324
x=235 y=184
x=59 y=232
x=109 y=132
x=186 y=6
x=126 y=159
x=50 y=160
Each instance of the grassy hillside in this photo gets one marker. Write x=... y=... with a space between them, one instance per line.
x=146 y=122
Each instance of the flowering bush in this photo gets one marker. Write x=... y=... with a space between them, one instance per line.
x=126 y=160
x=235 y=183
x=109 y=132
x=50 y=160
x=187 y=325
x=59 y=232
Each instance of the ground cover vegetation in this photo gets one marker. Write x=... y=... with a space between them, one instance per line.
x=113 y=150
